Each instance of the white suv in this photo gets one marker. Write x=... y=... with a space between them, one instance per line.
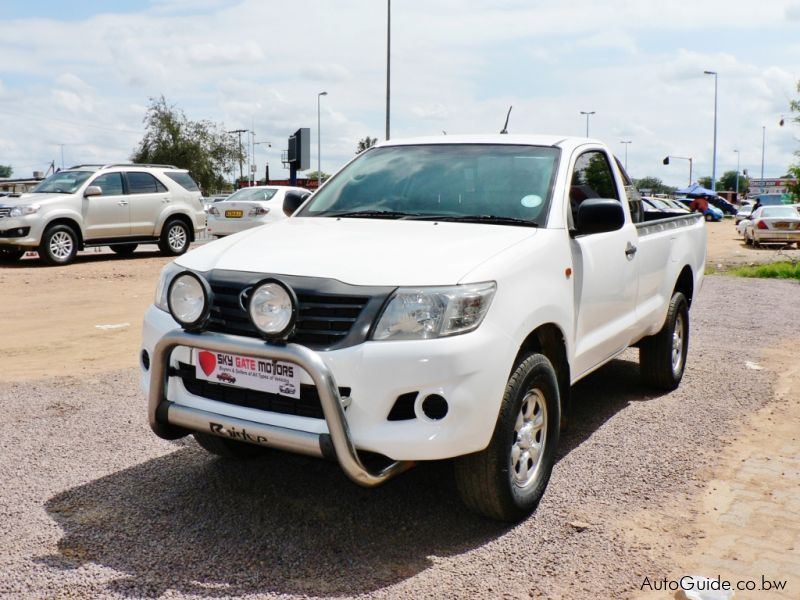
x=117 y=205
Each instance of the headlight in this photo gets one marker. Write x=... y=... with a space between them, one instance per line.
x=273 y=309
x=167 y=273
x=24 y=209
x=188 y=300
x=426 y=313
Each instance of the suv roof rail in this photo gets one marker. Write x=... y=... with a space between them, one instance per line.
x=79 y=166
x=139 y=165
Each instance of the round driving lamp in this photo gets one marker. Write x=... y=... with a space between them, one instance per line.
x=272 y=308
x=188 y=301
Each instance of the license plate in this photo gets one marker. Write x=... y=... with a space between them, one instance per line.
x=273 y=376
x=782 y=225
x=234 y=214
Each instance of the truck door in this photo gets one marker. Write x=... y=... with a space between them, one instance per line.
x=605 y=269
x=149 y=198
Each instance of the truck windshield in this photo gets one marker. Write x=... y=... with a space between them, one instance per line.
x=504 y=184
x=63 y=182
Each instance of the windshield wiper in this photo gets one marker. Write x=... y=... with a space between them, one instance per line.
x=370 y=214
x=493 y=219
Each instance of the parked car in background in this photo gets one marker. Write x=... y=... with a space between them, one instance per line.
x=657 y=208
x=675 y=204
x=115 y=205
x=722 y=204
x=773 y=225
x=743 y=214
x=712 y=213
x=248 y=207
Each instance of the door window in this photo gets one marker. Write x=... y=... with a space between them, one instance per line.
x=110 y=184
x=144 y=183
x=591 y=178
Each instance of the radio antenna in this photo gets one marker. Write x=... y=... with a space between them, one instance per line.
x=508 y=114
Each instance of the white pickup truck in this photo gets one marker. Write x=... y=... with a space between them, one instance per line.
x=435 y=299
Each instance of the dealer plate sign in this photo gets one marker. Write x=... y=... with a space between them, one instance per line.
x=260 y=374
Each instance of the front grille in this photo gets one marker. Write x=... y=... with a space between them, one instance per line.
x=330 y=315
x=308 y=405
x=5 y=212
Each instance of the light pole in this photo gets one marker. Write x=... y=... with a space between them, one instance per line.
x=626 y=142
x=388 y=56
x=714 y=161
x=583 y=112
x=319 y=142
x=763 y=143
x=239 y=132
x=266 y=170
x=737 y=174
x=689 y=158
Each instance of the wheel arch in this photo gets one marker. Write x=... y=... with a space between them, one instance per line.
x=685 y=284
x=549 y=339
x=71 y=223
x=183 y=217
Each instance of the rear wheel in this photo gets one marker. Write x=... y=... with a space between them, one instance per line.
x=9 y=255
x=662 y=356
x=228 y=448
x=174 y=238
x=124 y=249
x=507 y=479
x=59 y=245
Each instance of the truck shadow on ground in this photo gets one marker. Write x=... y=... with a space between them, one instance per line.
x=284 y=524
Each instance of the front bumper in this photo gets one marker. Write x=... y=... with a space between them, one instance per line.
x=21 y=231
x=470 y=371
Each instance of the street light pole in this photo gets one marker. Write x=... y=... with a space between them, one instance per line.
x=319 y=142
x=626 y=150
x=240 y=132
x=388 y=56
x=714 y=162
x=587 y=120
x=763 y=143
x=738 y=156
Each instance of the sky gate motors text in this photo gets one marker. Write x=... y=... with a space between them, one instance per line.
x=251 y=364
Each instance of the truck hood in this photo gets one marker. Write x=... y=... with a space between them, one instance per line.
x=360 y=251
x=29 y=198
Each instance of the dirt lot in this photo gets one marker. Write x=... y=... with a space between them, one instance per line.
x=699 y=481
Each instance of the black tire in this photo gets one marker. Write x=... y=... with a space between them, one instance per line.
x=124 y=249
x=175 y=238
x=59 y=245
x=228 y=448
x=10 y=255
x=709 y=218
x=662 y=356
x=494 y=482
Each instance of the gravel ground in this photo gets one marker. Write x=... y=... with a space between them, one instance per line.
x=94 y=505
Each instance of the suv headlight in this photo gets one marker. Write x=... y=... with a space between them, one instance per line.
x=167 y=275
x=24 y=209
x=433 y=312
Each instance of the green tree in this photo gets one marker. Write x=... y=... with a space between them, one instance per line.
x=313 y=175
x=728 y=182
x=6 y=170
x=705 y=182
x=202 y=147
x=365 y=144
x=654 y=185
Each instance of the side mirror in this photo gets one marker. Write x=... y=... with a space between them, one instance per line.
x=292 y=201
x=93 y=190
x=598 y=215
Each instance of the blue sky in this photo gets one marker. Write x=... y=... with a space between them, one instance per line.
x=81 y=73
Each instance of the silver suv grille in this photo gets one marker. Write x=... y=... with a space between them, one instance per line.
x=5 y=211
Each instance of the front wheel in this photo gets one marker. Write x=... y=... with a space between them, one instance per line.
x=59 y=245
x=662 y=356
x=507 y=479
x=174 y=238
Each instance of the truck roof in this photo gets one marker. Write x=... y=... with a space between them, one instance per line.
x=526 y=140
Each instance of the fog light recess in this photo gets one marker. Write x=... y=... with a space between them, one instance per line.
x=434 y=407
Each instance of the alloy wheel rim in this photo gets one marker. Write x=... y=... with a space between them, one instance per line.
x=61 y=245
x=530 y=431
x=177 y=237
x=677 y=344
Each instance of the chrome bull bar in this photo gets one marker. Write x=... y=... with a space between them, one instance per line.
x=166 y=417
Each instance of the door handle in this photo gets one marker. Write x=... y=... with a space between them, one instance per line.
x=630 y=250
x=165 y=200
x=122 y=202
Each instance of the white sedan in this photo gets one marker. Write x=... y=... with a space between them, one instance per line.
x=248 y=207
x=772 y=225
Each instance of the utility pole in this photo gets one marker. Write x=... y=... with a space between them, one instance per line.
x=239 y=132
x=388 y=55
x=587 y=113
x=714 y=158
x=626 y=142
